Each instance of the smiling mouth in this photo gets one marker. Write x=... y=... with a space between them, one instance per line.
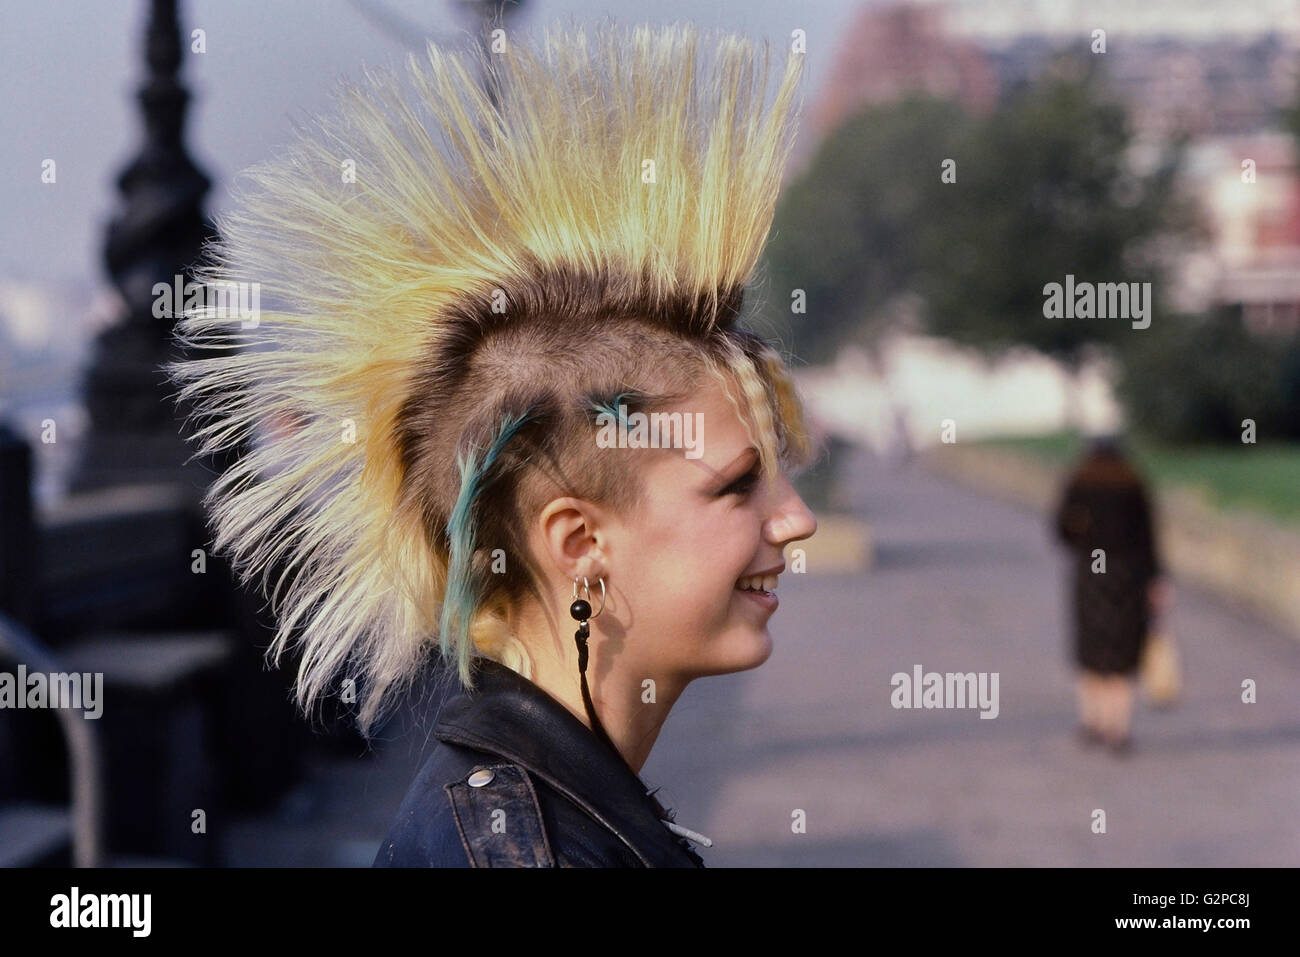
x=760 y=589
x=759 y=583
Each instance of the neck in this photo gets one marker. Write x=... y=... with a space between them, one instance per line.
x=617 y=693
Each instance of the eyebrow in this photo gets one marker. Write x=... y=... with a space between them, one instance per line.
x=750 y=452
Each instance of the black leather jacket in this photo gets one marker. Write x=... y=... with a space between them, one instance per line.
x=517 y=781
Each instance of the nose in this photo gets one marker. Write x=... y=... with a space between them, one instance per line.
x=791 y=519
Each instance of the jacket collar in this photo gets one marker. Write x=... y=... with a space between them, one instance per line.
x=510 y=716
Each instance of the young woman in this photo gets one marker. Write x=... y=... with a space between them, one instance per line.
x=531 y=429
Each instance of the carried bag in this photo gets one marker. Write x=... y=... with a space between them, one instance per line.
x=1159 y=669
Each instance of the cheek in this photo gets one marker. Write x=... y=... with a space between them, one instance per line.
x=713 y=555
x=715 y=549
x=730 y=542
x=686 y=560
x=682 y=577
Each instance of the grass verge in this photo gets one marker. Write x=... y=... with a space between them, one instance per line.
x=1263 y=478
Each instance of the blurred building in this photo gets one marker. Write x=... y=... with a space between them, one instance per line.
x=997 y=21
x=1249 y=189
x=1203 y=87
x=895 y=50
x=889 y=52
x=1206 y=68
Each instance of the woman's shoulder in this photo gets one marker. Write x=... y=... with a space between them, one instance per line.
x=515 y=779
x=471 y=808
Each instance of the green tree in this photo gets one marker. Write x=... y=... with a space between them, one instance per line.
x=845 y=232
x=1046 y=189
x=1197 y=377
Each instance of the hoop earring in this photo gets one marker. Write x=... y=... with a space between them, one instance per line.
x=586 y=587
x=581 y=612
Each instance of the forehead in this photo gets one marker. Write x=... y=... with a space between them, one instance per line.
x=717 y=428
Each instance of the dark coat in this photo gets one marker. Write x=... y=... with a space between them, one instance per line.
x=1105 y=505
x=517 y=781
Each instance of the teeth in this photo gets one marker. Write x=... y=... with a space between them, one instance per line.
x=757 y=583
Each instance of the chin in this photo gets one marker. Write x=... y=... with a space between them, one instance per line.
x=742 y=653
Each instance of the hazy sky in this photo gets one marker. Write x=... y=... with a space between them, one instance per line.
x=71 y=68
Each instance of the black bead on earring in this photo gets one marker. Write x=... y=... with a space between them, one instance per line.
x=581 y=611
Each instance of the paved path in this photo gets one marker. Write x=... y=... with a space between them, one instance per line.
x=962 y=583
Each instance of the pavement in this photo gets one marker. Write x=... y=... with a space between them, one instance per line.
x=805 y=762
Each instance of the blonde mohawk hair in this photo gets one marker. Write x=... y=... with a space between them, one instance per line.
x=456 y=283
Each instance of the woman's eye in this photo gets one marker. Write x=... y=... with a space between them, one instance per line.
x=743 y=485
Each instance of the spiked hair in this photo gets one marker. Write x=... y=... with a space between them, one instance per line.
x=459 y=282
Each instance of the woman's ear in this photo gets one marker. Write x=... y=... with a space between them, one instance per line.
x=571 y=538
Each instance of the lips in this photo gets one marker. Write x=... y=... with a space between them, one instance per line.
x=765 y=599
x=764 y=580
x=760 y=587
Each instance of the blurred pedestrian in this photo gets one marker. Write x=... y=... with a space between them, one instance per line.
x=1105 y=517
